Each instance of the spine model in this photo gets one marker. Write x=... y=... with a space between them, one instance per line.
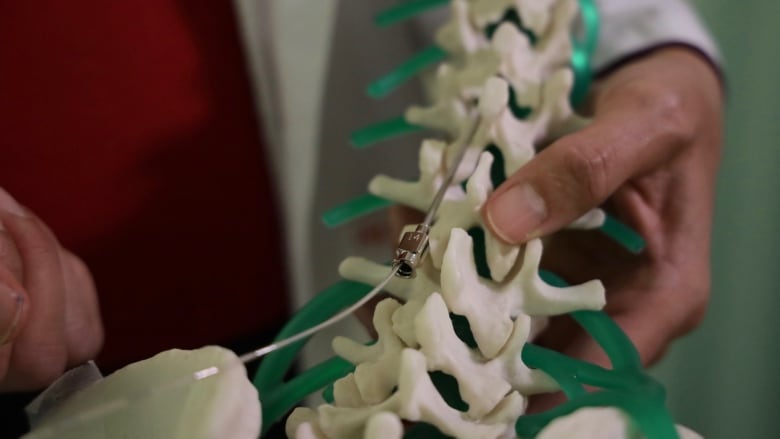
x=448 y=358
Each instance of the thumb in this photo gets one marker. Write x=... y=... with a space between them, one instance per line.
x=579 y=171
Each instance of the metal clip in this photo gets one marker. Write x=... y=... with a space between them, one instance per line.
x=410 y=251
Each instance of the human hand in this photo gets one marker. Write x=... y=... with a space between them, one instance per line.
x=49 y=316
x=651 y=155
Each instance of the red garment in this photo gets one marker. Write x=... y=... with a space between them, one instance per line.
x=129 y=128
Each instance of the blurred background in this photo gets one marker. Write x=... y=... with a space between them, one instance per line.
x=723 y=379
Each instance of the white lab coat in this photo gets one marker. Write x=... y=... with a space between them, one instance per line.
x=310 y=62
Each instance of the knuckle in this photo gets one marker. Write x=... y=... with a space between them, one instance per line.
x=78 y=271
x=674 y=120
x=34 y=241
x=86 y=338
x=588 y=170
x=667 y=110
x=78 y=266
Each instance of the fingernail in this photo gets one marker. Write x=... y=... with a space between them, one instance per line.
x=11 y=305
x=9 y=204
x=515 y=215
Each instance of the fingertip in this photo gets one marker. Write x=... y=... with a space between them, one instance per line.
x=494 y=228
x=516 y=214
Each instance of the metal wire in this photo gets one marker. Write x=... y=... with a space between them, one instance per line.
x=465 y=142
x=258 y=353
x=411 y=249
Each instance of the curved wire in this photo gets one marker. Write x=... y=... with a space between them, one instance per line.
x=258 y=353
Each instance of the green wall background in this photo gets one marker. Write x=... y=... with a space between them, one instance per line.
x=723 y=379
